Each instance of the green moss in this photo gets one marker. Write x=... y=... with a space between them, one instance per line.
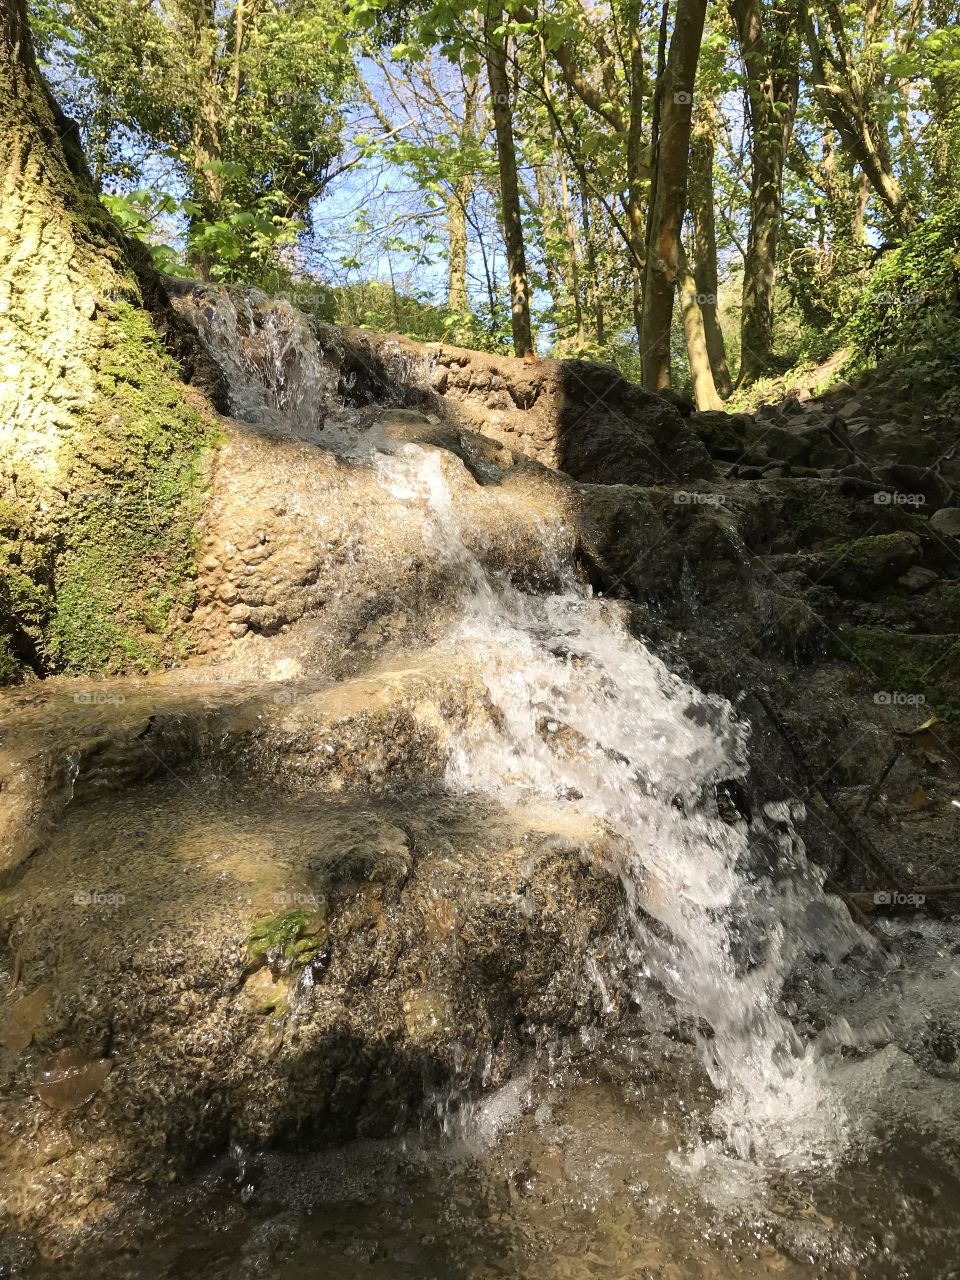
x=865 y=564
x=127 y=564
x=25 y=596
x=909 y=664
x=287 y=941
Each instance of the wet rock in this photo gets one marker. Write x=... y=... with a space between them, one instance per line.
x=866 y=564
x=71 y=1078
x=286 y=967
x=581 y=418
x=946 y=522
x=25 y=1018
x=334 y=544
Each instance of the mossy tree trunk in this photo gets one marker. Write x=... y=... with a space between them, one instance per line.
x=501 y=101
x=668 y=197
x=694 y=331
x=101 y=456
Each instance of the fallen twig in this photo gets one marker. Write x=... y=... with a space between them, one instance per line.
x=884 y=774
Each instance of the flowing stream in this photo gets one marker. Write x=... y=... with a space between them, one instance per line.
x=589 y=717
x=777 y=1048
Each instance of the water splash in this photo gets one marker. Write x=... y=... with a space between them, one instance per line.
x=587 y=716
x=274 y=371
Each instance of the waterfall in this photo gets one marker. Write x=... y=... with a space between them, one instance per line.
x=719 y=911
x=588 y=718
x=273 y=368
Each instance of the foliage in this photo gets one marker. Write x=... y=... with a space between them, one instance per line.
x=242 y=99
x=376 y=305
x=911 y=304
x=237 y=112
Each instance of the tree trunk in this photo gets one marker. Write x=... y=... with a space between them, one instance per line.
x=100 y=456
x=694 y=331
x=703 y=216
x=555 y=272
x=502 y=105
x=771 y=67
x=669 y=198
x=861 y=198
x=573 y=255
x=594 y=289
x=637 y=172
x=457 y=297
x=206 y=151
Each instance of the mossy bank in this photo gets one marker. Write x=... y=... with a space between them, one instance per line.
x=98 y=558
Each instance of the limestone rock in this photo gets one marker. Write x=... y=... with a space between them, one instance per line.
x=581 y=418
x=946 y=522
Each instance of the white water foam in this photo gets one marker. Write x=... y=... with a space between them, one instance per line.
x=589 y=717
x=275 y=373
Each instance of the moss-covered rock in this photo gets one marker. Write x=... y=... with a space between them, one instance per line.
x=287 y=941
x=867 y=564
x=927 y=666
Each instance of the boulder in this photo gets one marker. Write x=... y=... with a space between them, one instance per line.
x=946 y=522
x=725 y=435
x=917 y=579
x=868 y=564
x=279 y=947
x=572 y=415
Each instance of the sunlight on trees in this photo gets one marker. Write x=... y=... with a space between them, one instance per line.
x=702 y=205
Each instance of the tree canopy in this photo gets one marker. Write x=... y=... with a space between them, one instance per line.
x=702 y=193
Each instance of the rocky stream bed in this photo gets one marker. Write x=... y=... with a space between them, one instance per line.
x=544 y=814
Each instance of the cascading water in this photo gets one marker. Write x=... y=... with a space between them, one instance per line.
x=753 y=1086
x=586 y=716
x=274 y=372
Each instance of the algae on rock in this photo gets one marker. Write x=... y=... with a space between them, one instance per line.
x=102 y=455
